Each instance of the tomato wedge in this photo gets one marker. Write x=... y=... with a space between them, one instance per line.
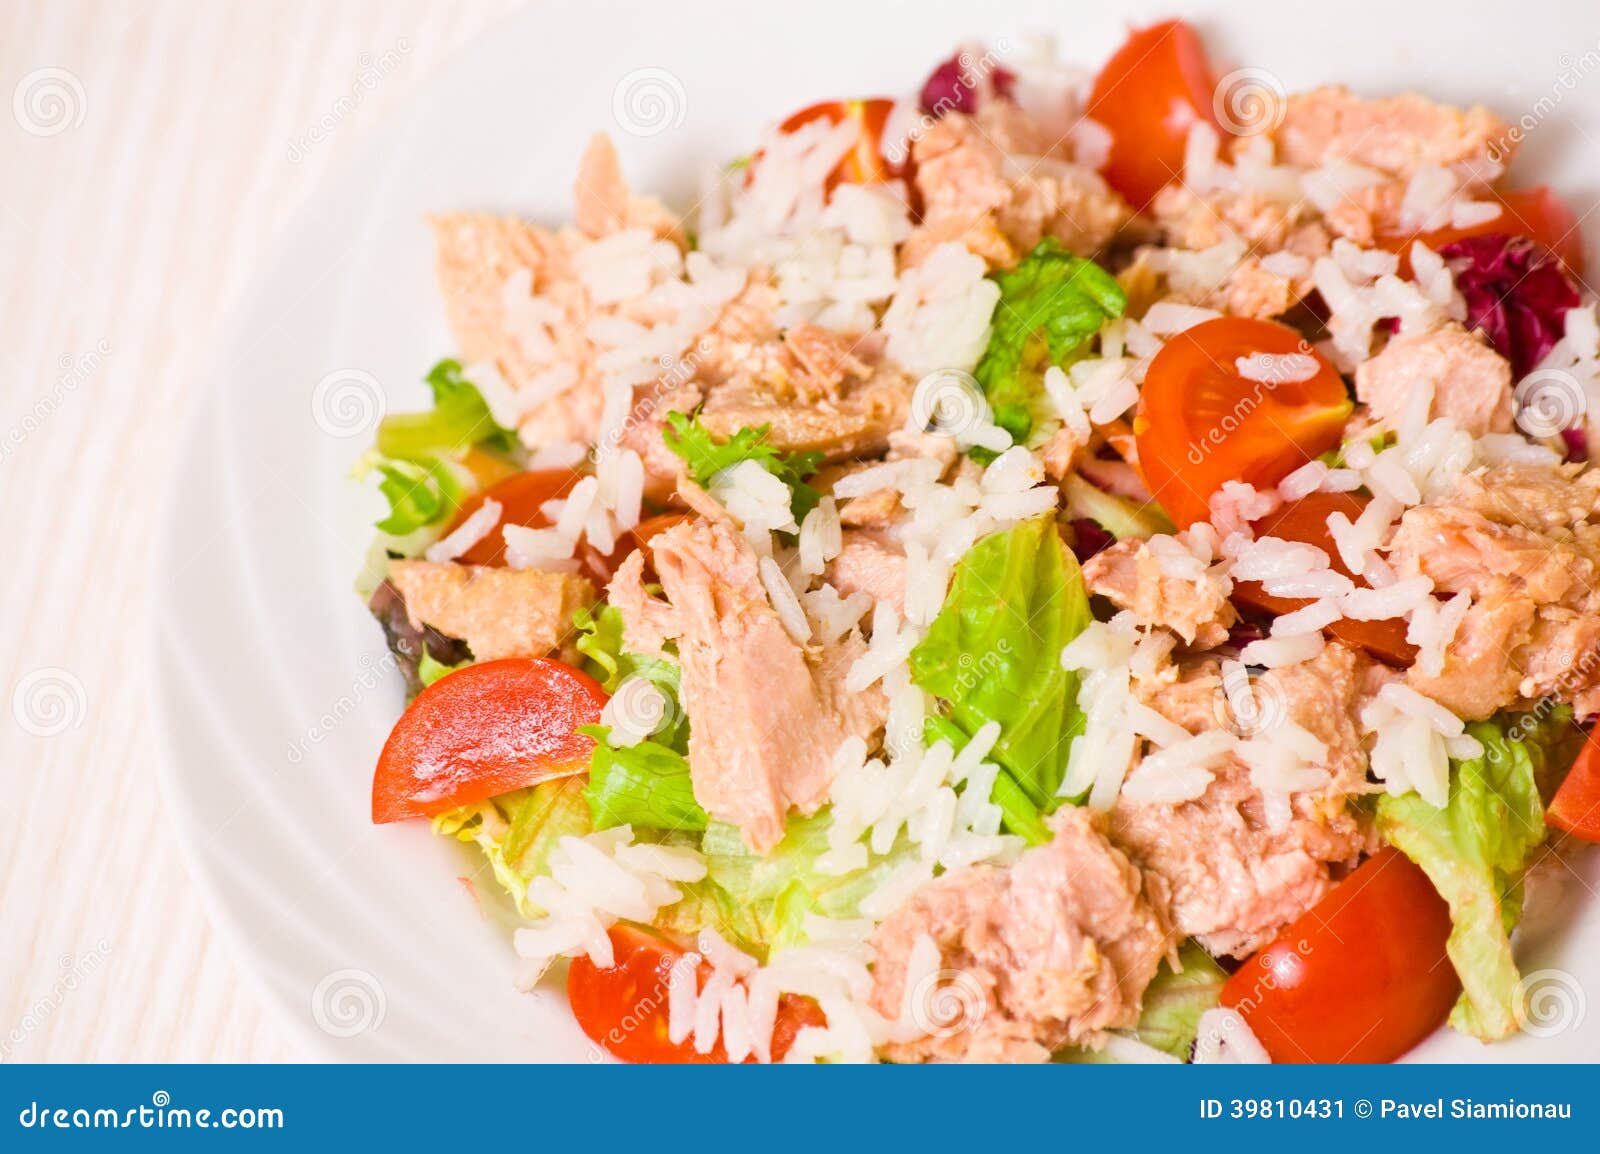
x=1200 y=423
x=865 y=163
x=1360 y=977
x=1306 y=520
x=624 y=1008
x=522 y=497
x=1575 y=809
x=485 y=730
x=1536 y=213
x=1149 y=94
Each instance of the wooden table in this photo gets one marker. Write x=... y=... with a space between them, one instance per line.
x=150 y=152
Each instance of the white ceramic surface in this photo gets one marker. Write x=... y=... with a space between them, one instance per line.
x=274 y=689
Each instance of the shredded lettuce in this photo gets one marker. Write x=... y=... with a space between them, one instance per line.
x=994 y=652
x=645 y=785
x=1052 y=305
x=458 y=420
x=706 y=457
x=778 y=890
x=1175 y=999
x=1173 y=1003
x=1476 y=849
x=517 y=831
x=1122 y=518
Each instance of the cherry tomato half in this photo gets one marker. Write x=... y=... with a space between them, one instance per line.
x=1149 y=94
x=1200 y=423
x=624 y=1007
x=485 y=730
x=1306 y=520
x=1360 y=977
x=1575 y=809
x=865 y=163
x=1536 y=213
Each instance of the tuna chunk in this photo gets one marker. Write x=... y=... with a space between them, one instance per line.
x=497 y=612
x=604 y=203
x=1048 y=952
x=765 y=716
x=1520 y=539
x=1236 y=882
x=1000 y=205
x=855 y=423
x=1165 y=587
x=873 y=564
x=513 y=301
x=1396 y=134
x=1471 y=382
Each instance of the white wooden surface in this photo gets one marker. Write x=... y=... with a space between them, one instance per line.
x=150 y=150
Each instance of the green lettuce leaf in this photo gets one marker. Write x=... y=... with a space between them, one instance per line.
x=705 y=457
x=1476 y=849
x=517 y=831
x=1052 y=305
x=645 y=785
x=599 y=639
x=994 y=652
x=419 y=493
x=458 y=420
x=1018 y=813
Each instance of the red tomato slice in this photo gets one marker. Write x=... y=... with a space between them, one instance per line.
x=1200 y=424
x=1360 y=977
x=1306 y=520
x=1536 y=213
x=865 y=163
x=1575 y=809
x=1152 y=90
x=624 y=1008
x=485 y=730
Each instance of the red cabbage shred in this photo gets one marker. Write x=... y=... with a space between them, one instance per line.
x=1517 y=294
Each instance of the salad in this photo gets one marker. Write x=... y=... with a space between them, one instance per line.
x=1056 y=566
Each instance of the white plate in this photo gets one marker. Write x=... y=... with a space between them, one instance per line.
x=275 y=692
